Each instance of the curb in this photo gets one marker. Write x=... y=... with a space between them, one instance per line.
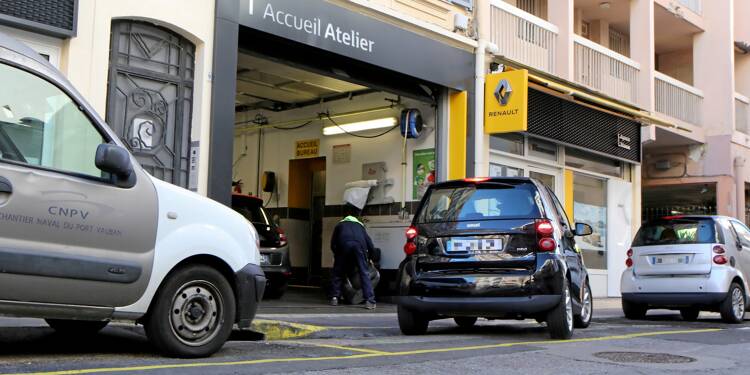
x=280 y=330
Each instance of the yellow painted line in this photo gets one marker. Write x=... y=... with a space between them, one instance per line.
x=342 y=347
x=375 y=354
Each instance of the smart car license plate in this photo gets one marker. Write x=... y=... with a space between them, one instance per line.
x=670 y=259
x=474 y=245
x=265 y=259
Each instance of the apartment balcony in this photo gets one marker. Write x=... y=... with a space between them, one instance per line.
x=742 y=113
x=695 y=6
x=604 y=70
x=523 y=37
x=678 y=100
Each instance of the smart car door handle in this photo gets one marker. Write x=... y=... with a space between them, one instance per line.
x=5 y=186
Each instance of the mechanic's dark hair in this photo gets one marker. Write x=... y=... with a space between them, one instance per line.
x=351 y=210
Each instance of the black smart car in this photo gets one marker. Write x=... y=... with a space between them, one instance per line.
x=499 y=248
x=274 y=248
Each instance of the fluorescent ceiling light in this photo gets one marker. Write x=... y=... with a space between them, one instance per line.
x=381 y=123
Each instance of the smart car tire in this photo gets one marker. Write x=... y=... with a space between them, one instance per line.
x=410 y=323
x=192 y=314
x=465 y=321
x=732 y=309
x=560 y=319
x=76 y=327
x=633 y=311
x=583 y=320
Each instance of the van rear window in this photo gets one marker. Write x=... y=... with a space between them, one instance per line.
x=482 y=202
x=676 y=232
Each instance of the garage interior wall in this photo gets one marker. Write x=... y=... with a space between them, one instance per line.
x=277 y=148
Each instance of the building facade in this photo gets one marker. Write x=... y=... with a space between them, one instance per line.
x=633 y=109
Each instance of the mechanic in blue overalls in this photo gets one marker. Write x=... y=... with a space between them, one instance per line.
x=351 y=245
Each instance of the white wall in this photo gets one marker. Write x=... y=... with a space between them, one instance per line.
x=85 y=58
x=278 y=147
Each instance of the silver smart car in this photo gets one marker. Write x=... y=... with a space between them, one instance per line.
x=689 y=263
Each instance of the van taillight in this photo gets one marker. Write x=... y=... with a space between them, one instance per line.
x=544 y=231
x=411 y=234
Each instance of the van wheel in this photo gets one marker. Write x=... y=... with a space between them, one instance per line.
x=192 y=314
x=560 y=319
x=587 y=308
x=732 y=309
x=689 y=314
x=411 y=324
x=634 y=311
x=465 y=321
x=78 y=327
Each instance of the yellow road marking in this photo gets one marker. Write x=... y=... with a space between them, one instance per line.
x=374 y=354
x=342 y=347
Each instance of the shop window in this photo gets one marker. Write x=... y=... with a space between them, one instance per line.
x=590 y=207
x=499 y=170
x=542 y=149
x=510 y=142
x=576 y=158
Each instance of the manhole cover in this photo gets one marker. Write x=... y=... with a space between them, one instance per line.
x=640 y=357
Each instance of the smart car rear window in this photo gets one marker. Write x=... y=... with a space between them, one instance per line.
x=481 y=202
x=676 y=232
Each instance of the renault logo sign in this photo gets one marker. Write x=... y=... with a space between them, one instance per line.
x=503 y=91
x=506 y=98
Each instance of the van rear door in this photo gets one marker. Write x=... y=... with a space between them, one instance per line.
x=675 y=246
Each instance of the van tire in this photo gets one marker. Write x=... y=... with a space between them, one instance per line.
x=76 y=327
x=193 y=289
x=410 y=323
x=633 y=311
x=465 y=321
x=730 y=310
x=560 y=319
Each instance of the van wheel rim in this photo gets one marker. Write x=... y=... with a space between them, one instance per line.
x=738 y=303
x=196 y=315
x=568 y=310
x=586 y=311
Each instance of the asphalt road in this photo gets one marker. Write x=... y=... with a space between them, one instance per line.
x=348 y=340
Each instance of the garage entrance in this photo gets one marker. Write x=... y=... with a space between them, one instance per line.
x=309 y=124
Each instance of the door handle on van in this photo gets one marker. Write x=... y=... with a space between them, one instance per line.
x=5 y=186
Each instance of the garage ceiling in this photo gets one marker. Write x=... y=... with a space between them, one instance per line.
x=265 y=84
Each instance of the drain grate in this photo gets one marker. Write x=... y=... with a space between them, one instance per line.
x=641 y=357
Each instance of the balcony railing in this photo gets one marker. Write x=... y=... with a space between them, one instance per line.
x=677 y=99
x=605 y=70
x=695 y=5
x=742 y=113
x=523 y=37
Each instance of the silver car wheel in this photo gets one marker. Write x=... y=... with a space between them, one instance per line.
x=738 y=303
x=196 y=316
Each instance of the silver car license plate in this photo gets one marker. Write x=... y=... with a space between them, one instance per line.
x=265 y=259
x=474 y=244
x=670 y=259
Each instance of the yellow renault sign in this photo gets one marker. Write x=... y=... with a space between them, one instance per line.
x=506 y=97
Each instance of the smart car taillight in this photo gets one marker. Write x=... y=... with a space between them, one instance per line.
x=718 y=249
x=544 y=231
x=411 y=235
x=629 y=260
x=720 y=259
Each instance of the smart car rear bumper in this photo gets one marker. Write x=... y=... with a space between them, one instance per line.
x=250 y=283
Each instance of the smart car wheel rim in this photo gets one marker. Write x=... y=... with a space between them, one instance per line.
x=568 y=310
x=738 y=303
x=196 y=313
x=586 y=311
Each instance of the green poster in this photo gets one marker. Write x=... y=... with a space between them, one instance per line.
x=424 y=171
